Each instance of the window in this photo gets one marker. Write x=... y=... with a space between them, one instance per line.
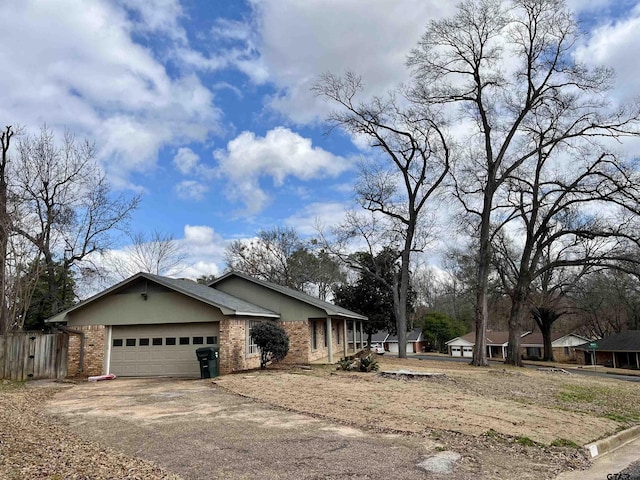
x=131 y=342
x=325 y=334
x=143 y=342
x=252 y=348
x=314 y=335
x=156 y=341
x=117 y=342
x=338 y=334
x=198 y=340
x=184 y=340
x=566 y=351
x=170 y=341
x=212 y=340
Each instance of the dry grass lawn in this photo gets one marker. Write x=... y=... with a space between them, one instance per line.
x=547 y=408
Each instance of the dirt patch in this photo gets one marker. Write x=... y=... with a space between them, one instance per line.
x=514 y=403
x=34 y=447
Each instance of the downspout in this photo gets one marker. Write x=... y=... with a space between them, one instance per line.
x=80 y=333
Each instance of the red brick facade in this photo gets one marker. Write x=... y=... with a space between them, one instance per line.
x=94 y=349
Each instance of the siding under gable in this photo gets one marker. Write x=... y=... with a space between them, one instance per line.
x=290 y=309
x=129 y=307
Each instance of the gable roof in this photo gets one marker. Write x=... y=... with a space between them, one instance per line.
x=492 y=338
x=414 y=335
x=228 y=304
x=628 y=341
x=329 y=308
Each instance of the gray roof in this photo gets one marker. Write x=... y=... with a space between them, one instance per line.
x=380 y=336
x=414 y=335
x=228 y=304
x=329 y=308
x=628 y=341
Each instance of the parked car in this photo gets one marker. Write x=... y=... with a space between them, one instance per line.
x=377 y=348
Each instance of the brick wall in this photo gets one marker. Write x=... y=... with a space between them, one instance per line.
x=233 y=340
x=299 y=342
x=93 y=351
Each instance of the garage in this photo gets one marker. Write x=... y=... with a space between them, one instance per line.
x=158 y=350
x=467 y=352
x=456 y=351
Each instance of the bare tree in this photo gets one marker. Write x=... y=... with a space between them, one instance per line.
x=510 y=69
x=160 y=254
x=268 y=256
x=5 y=226
x=65 y=206
x=409 y=163
x=281 y=256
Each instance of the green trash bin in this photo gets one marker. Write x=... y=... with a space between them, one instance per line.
x=209 y=358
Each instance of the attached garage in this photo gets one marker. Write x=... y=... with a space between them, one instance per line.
x=152 y=350
x=149 y=325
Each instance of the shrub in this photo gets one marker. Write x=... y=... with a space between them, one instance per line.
x=369 y=364
x=346 y=363
x=272 y=340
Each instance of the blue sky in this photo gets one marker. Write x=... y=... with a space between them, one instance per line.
x=204 y=107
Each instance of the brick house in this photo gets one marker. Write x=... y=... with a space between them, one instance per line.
x=149 y=325
x=619 y=350
x=531 y=345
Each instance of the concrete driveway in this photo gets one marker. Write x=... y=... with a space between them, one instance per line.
x=199 y=431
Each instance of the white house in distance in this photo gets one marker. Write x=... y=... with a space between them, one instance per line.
x=532 y=345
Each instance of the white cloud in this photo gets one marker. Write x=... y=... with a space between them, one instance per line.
x=158 y=16
x=191 y=190
x=279 y=154
x=317 y=215
x=186 y=160
x=612 y=45
x=300 y=40
x=198 y=234
x=75 y=63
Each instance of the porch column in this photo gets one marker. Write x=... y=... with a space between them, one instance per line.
x=345 y=337
x=489 y=351
x=613 y=356
x=329 y=340
x=355 y=347
x=361 y=336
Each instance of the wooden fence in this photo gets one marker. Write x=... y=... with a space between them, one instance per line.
x=33 y=356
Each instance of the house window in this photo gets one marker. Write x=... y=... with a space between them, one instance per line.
x=252 y=348
x=117 y=342
x=184 y=340
x=212 y=340
x=338 y=334
x=198 y=340
x=534 y=352
x=131 y=342
x=325 y=333
x=156 y=341
x=314 y=335
x=566 y=351
x=170 y=341
x=143 y=342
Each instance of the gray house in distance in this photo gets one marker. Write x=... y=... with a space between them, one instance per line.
x=149 y=325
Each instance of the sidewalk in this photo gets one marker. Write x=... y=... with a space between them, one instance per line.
x=609 y=463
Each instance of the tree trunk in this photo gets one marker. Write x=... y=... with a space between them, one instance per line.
x=515 y=329
x=5 y=227
x=482 y=286
x=545 y=329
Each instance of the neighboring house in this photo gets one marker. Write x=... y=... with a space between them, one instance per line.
x=531 y=345
x=415 y=342
x=620 y=350
x=150 y=325
x=380 y=337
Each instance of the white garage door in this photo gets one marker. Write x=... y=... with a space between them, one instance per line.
x=155 y=350
x=393 y=347
x=456 y=351
x=467 y=351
